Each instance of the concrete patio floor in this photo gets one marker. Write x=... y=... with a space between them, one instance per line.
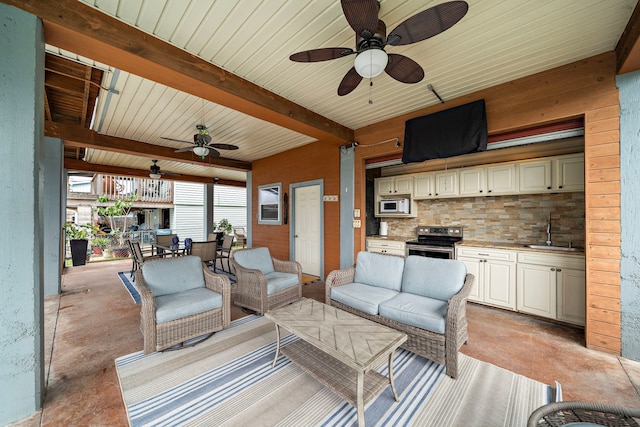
x=94 y=321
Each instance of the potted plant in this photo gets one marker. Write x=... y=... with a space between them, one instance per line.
x=222 y=228
x=78 y=237
x=99 y=244
x=119 y=209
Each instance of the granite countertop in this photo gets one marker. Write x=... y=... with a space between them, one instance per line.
x=515 y=246
x=392 y=238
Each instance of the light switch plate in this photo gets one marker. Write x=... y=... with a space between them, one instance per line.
x=357 y=223
x=330 y=198
x=356 y=213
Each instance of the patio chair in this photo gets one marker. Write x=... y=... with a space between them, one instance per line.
x=206 y=251
x=181 y=299
x=165 y=240
x=241 y=235
x=225 y=251
x=264 y=282
x=138 y=257
x=582 y=413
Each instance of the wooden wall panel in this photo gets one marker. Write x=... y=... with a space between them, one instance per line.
x=585 y=89
x=315 y=161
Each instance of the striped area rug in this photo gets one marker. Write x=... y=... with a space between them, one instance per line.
x=125 y=278
x=228 y=381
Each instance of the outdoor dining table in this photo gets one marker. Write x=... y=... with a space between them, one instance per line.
x=176 y=249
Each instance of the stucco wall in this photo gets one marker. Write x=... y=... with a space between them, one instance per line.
x=629 y=86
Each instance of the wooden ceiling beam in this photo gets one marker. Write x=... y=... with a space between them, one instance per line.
x=67 y=85
x=78 y=28
x=628 y=47
x=47 y=107
x=82 y=166
x=77 y=136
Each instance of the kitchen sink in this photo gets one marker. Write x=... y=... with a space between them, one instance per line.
x=554 y=248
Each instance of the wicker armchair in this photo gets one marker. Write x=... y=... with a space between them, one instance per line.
x=181 y=299
x=562 y=413
x=263 y=282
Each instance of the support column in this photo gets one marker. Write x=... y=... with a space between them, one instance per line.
x=21 y=228
x=54 y=185
x=347 y=203
x=629 y=86
x=209 y=192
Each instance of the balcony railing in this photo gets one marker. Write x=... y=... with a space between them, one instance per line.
x=122 y=187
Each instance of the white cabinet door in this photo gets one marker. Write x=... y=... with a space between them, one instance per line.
x=571 y=295
x=569 y=173
x=501 y=180
x=446 y=184
x=535 y=177
x=537 y=290
x=499 y=283
x=474 y=267
x=472 y=182
x=403 y=184
x=423 y=186
x=384 y=186
x=385 y=246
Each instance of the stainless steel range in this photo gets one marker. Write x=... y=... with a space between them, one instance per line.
x=435 y=241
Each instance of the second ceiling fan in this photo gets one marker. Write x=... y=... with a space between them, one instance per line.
x=371 y=39
x=201 y=145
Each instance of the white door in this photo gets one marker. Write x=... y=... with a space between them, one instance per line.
x=307 y=238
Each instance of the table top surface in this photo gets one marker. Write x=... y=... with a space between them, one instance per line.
x=170 y=247
x=354 y=340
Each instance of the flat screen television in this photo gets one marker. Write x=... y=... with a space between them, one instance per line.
x=448 y=133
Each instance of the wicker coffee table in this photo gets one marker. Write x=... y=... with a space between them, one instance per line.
x=339 y=349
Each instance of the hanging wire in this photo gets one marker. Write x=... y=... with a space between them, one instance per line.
x=370 y=90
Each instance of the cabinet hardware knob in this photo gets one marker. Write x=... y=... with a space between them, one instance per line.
x=548 y=188
x=559 y=269
x=560 y=186
x=553 y=269
x=487 y=191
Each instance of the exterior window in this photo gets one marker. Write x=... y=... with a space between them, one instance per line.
x=269 y=204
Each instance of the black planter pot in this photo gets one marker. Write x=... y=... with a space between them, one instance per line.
x=78 y=251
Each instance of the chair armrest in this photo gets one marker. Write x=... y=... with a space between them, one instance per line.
x=283 y=266
x=249 y=281
x=458 y=302
x=221 y=284
x=147 y=313
x=338 y=278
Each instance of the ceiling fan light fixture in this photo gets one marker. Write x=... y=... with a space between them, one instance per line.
x=200 y=151
x=371 y=62
x=155 y=176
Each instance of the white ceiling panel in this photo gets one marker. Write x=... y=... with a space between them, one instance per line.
x=497 y=41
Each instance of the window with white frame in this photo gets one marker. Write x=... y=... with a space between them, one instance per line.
x=269 y=204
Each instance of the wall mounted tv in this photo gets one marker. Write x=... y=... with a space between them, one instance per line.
x=448 y=133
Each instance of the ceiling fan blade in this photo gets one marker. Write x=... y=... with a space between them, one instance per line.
x=404 y=69
x=213 y=152
x=428 y=23
x=362 y=15
x=169 y=173
x=175 y=140
x=183 y=150
x=223 y=146
x=349 y=82
x=323 y=54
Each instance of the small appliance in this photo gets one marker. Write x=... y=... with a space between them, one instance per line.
x=384 y=228
x=396 y=206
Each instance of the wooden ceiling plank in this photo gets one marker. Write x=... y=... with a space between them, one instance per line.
x=628 y=47
x=77 y=136
x=82 y=166
x=47 y=107
x=64 y=84
x=76 y=27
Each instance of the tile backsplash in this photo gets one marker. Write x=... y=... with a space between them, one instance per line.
x=503 y=219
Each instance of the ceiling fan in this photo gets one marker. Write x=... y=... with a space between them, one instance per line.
x=156 y=173
x=202 y=144
x=371 y=39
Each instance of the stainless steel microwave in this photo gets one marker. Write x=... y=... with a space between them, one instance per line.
x=396 y=206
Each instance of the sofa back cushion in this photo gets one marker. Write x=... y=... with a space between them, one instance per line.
x=433 y=277
x=383 y=271
x=255 y=259
x=172 y=275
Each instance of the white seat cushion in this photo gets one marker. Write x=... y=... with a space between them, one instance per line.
x=421 y=312
x=278 y=281
x=362 y=297
x=176 y=306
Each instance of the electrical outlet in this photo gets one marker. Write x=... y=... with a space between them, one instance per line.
x=329 y=198
x=357 y=223
x=356 y=213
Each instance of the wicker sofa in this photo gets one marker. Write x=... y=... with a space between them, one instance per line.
x=422 y=297
x=181 y=299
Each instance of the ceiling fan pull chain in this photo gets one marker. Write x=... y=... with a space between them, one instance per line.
x=370 y=90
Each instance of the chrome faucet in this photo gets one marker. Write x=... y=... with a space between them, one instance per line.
x=549 y=231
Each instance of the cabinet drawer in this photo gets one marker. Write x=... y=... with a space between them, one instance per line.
x=556 y=260
x=385 y=244
x=493 y=254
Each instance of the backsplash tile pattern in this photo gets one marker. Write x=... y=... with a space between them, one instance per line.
x=503 y=219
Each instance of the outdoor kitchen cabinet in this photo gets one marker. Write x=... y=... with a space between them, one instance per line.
x=385 y=246
x=424 y=186
x=552 y=285
x=568 y=173
x=494 y=273
x=394 y=185
x=446 y=183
